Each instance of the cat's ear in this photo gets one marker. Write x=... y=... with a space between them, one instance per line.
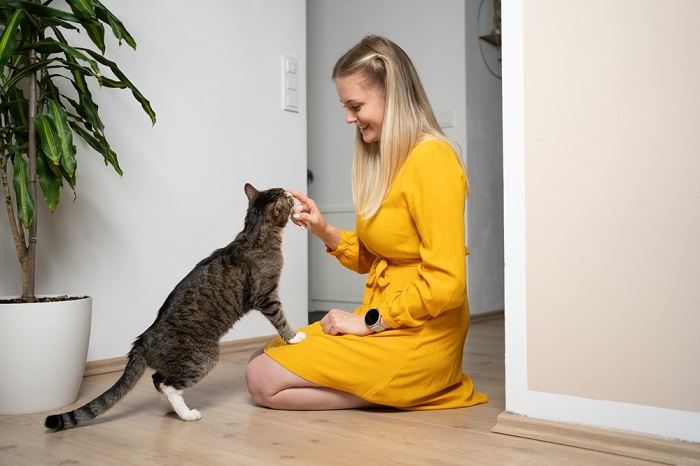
x=250 y=191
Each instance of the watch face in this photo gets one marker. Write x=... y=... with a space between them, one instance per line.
x=372 y=317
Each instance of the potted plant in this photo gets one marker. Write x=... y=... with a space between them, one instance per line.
x=45 y=103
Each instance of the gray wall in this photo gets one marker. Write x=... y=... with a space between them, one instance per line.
x=485 y=165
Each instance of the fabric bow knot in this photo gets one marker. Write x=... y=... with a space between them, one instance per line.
x=377 y=275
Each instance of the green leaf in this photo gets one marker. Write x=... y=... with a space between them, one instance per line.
x=90 y=110
x=52 y=22
x=49 y=181
x=50 y=46
x=145 y=104
x=50 y=89
x=82 y=7
x=100 y=144
x=111 y=83
x=39 y=65
x=50 y=142
x=60 y=121
x=23 y=196
x=19 y=106
x=82 y=116
x=118 y=28
x=85 y=10
x=43 y=11
x=7 y=41
x=96 y=32
x=87 y=108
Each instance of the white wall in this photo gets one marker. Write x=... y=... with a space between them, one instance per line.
x=601 y=213
x=485 y=163
x=432 y=34
x=212 y=74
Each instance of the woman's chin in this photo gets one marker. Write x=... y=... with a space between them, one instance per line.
x=369 y=138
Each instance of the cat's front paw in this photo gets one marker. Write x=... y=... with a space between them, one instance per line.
x=298 y=338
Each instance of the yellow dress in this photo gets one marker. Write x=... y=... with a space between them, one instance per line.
x=413 y=250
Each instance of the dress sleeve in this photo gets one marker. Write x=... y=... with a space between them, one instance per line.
x=352 y=253
x=436 y=203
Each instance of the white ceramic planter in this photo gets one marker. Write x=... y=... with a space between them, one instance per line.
x=43 y=348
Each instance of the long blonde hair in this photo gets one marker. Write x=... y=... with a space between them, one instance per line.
x=408 y=117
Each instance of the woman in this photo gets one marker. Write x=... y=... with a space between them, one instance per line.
x=403 y=346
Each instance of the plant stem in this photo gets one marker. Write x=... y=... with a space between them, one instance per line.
x=30 y=270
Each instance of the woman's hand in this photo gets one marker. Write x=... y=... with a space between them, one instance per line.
x=307 y=215
x=339 y=322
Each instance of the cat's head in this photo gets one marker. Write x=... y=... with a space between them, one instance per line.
x=271 y=206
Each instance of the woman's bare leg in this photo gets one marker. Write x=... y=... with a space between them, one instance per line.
x=274 y=386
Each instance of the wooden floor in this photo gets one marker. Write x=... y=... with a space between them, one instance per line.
x=234 y=431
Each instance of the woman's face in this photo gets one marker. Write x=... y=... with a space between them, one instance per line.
x=364 y=105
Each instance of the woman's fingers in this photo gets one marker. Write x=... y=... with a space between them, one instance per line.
x=307 y=204
x=302 y=217
x=327 y=323
x=335 y=322
x=300 y=197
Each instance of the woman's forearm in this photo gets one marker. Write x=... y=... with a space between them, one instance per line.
x=330 y=235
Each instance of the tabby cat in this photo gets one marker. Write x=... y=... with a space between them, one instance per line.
x=182 y=345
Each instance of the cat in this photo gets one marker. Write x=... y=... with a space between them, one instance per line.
x=182 y=345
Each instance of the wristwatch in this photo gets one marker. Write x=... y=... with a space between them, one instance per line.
x=373 y=319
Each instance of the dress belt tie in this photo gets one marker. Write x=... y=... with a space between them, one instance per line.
x=377 y=274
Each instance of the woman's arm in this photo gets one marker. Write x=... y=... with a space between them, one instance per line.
x=344 y=245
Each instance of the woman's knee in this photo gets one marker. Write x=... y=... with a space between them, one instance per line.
x=266 y=378
x=254 y=379
x=259 y=378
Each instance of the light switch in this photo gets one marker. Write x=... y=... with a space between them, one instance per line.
x=290 y=84
x=446 y=118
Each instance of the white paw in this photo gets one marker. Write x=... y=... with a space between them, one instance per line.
x=192 y=415
x=298 y=338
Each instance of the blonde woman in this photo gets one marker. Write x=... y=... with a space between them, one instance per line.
x=403 y=346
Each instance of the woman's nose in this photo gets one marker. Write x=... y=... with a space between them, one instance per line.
x=350 y=116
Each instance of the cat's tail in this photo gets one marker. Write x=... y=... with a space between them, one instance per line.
x=135 y=368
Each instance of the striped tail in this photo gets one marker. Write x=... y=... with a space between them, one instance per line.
x=135 y=368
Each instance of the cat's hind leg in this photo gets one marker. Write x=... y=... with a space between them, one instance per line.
x=174 y=398
x=185 y=371
x=164 y=402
